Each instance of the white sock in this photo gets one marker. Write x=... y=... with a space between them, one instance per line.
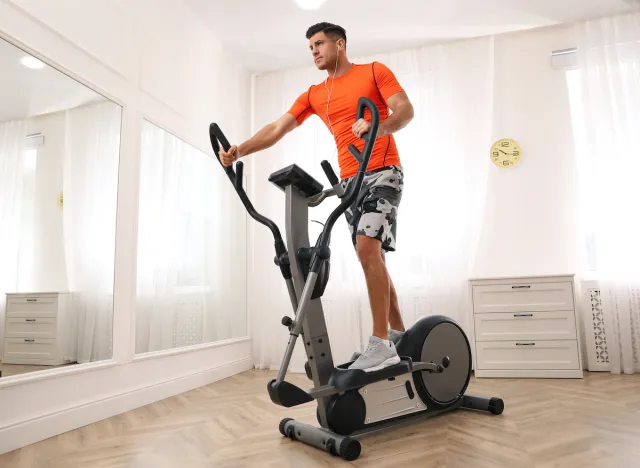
x=386 y=342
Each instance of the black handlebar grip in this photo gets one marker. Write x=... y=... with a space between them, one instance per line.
x=239 y=168
x=356 y=154
x=216 y=135
x=362 y=105
x=328 y=170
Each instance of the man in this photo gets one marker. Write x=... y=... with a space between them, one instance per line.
x=372 y=218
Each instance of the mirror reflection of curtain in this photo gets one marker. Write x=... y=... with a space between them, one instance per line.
x=92 y=144
x=188 y=261
x=12 y=147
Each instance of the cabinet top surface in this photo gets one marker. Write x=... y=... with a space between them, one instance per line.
x=36 y=293
x=523 y=277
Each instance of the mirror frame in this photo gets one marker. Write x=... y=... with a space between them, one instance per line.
x=46 y=374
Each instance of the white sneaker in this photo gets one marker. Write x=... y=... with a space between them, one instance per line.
x=377 y=356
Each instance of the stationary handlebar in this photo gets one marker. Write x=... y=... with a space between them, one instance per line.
x=328 y=170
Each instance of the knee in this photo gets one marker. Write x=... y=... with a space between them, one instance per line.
x=369 y=252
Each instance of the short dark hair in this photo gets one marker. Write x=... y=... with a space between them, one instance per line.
x=334 y=31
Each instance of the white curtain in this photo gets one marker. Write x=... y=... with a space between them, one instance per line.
x=90 y=182
x=606 y=115
x=12 y=146
x=443 y=152
x=191 y=248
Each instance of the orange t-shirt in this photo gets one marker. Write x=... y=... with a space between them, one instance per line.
x=373 y=80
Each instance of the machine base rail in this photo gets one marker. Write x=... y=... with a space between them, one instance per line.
x=348 y=447
x=340 y=446
x=492 y=405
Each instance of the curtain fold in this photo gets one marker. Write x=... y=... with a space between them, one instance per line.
x=606 y=117
x=12 y=163
x=443 y=152
x=90 y=185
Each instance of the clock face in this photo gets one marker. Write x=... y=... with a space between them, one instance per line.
x=506 y=153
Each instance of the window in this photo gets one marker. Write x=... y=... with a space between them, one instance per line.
x=605 y=116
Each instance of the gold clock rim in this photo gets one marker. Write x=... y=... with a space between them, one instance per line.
x=515 y=161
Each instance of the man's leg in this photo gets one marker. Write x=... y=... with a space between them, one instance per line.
x=395 y=317
x=375 y=231
x=378 y=284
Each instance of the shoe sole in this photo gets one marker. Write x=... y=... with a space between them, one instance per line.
x=387 y=363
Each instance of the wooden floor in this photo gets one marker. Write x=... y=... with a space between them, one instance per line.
x=594 y=422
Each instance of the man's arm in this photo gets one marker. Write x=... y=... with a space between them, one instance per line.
x=265 y=138
x=401 y=114
x=269 y=135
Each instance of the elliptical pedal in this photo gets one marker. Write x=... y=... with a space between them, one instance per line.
x=344 y=378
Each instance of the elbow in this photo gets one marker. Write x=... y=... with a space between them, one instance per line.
x=410 y=112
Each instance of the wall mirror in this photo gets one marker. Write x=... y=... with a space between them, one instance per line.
x=191 y=268
x=59 y=154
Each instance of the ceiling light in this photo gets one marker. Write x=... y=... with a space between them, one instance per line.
x=310 y=4
x=31 y=62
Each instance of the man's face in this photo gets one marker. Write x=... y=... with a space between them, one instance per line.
x=324 y=50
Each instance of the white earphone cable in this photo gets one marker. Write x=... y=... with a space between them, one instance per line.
x=329 y=93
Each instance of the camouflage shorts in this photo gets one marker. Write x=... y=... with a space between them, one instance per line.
x=375 y=210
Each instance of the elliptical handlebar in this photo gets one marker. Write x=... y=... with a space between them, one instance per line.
x=364 y=157
x=217 y=138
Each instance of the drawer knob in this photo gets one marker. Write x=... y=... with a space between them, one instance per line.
x=523 y=286
x=523 y=315
x=30 y=320
x=29 y=341
x=32 y=300
x=525 y=344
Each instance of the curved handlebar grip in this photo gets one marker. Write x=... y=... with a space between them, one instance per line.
x=328 y=170
x=356 y=154
x=364 y=103
x=365 y=156
x=347 y=200
x=216 y=135
x=214 y=131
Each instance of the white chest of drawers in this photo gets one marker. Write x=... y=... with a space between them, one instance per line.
x=525 y=327
x=35 y=330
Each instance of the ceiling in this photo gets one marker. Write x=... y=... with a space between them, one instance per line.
x=26 y=92
x=266 y=35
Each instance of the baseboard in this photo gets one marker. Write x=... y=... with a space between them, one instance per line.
x=28 y=432
x=529 y=374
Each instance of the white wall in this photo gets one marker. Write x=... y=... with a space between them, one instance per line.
x=530 y=218
x=159 y=62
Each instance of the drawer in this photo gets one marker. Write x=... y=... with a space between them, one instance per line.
x=42 y=327
x=523 y=297
x=513 y=326
x=39 y=349
x=558 y=354
x=32 y=307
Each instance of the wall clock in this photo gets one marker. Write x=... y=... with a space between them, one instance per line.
x=506 y=153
